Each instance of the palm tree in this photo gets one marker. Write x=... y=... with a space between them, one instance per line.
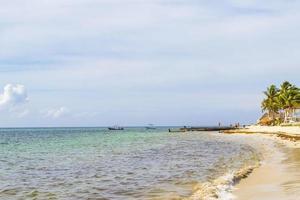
x=284 y=100
x=296 y=101
x=287 y=99
x=270 y=103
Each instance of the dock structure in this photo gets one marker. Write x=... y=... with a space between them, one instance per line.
x=188 y=129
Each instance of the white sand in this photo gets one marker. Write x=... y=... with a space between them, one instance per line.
x=275 y=179
x=294 y=130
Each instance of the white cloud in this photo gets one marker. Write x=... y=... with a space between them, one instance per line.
x=13 y=95
x=57 y=112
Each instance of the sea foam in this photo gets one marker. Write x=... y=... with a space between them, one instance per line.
x=221 y=188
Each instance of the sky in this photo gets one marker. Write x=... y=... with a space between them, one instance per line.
x=134 y=62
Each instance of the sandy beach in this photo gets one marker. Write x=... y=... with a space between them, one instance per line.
x=278 y=177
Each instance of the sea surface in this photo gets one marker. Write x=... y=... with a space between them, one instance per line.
x=94 y=163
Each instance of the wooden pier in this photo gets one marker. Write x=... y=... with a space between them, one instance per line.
x=188 y=129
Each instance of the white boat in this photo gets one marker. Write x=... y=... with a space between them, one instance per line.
x=150 y=126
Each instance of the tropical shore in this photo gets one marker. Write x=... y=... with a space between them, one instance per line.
x=288 y=135
x=278 y=176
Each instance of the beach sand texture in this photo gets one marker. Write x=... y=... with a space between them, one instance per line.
x=278 y=177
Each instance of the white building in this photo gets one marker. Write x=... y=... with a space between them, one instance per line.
x=295 y=117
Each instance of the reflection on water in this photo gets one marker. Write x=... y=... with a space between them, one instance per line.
x=83 y=163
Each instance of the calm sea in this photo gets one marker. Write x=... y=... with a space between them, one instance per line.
x=93 y=163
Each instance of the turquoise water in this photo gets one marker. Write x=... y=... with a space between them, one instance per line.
x=93 y=163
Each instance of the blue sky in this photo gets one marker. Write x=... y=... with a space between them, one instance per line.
x=134 y=62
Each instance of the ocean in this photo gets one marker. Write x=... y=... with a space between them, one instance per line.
x=94 y=163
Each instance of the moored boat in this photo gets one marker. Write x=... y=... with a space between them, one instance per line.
x=150 y=127
x=115 y=128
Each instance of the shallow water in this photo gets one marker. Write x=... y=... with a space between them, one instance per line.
x=93 y=163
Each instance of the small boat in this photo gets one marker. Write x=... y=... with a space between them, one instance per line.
x=150 y=127
x=115 y=128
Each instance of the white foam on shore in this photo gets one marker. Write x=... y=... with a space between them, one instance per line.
x=224 y=191
x=222 y=187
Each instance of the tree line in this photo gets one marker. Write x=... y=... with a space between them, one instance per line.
x=281 y=103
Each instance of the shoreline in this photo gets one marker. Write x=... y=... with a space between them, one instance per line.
x=274 y=178
x=288 y=135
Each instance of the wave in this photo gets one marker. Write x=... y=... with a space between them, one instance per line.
x=221 y=188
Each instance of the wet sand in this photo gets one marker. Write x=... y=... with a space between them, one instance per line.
x=278 y=177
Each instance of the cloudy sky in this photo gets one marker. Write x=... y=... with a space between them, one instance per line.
x=134 y=62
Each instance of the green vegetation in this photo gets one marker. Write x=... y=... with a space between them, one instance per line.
x=280 y=104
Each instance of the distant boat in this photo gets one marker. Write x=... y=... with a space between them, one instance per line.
x=115 y=128
x=150 y=127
